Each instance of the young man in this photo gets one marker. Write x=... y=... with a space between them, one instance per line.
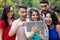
x=45 y=6
x=18 y=25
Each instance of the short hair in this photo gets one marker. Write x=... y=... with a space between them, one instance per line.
x=22 y=6
x=44 y=1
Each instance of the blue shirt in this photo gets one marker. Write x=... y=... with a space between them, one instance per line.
x=53 y=34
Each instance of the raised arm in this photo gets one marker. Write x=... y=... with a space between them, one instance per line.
x=13 y=29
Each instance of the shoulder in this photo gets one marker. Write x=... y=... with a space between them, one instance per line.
x=15 y=21
x=58 y=27
x=2 y=23
x=53 y=11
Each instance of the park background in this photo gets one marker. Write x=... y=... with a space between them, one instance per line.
x=55 y=4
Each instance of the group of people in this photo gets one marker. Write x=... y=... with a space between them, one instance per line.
x=15 y=29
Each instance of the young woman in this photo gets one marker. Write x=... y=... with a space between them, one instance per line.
x=34 y=16
x=53 y=25
x=6 y=22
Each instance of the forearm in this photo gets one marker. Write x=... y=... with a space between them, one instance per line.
x=28 y=34
x=13 y=31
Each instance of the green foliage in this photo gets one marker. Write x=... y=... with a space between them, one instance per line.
x=58 y=4
x=36 y=3
x=29 y=3
x=15 y=11
x=9 y=2
x=1 y=3
x=1 y=10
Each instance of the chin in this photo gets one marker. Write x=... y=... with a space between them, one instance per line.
x=24 y=18
x=48 y=24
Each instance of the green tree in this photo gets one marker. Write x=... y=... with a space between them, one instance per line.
x=1 y=3
x=36 y=3
x=9 y=2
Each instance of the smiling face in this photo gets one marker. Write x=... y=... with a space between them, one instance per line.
x=22 y=13
x=34 y=16
x=48 y=19
x=10 y=14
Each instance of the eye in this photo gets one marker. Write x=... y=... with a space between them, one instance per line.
x=33 y=15
x=11 y=11
x=41 y=6
x=22 y=12
x=25 y=11
x=45 y=6
x=46 y=16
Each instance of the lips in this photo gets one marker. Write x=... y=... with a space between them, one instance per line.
x=24 y=16
x=48 y=22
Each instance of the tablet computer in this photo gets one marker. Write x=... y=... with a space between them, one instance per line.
x=30 y=24
x=42 y=27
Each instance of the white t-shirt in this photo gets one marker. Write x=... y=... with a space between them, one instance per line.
x=21 y=33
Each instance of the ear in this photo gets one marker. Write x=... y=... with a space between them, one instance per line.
x=18 y=13
x=58 y=29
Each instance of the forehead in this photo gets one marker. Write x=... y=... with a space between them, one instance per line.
x=44 y=4
x=22 y=9
x=34 y=12
x=11 y=8
x=48 y=14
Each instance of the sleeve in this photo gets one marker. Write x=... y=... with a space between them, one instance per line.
x=1 y=24
x=28 y=34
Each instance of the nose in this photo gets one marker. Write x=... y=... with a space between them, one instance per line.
x=43 y=8
x=35 y=16
x=47 y=18
x=25 y=13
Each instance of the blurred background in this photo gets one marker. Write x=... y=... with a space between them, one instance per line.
x=55 y=4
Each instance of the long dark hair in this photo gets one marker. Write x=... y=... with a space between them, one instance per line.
x=53 y=16
x=6 y=10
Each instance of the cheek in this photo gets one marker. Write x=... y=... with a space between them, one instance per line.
x=48 y=21
x=32 y=17
x=9 y=15
x=51 y=20
x=19 y=14
x=37 y=17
